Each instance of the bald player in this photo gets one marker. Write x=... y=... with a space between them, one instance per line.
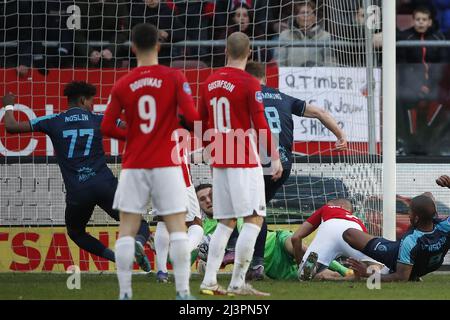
x=231 y=106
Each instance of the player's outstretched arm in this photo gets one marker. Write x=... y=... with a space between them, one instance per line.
x=110 y=127
x=188 y=114
x=11 y=125
x=302 y=232
x=443 y=181
x=329 y=122
x=402 y=273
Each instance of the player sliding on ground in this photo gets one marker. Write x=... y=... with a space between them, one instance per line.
x=150 y=95
x=279 y=262
x=193 y=223
x=279 y=109
x=231 y=104
x=78 y=144
x=421 y=250
x=331 y=221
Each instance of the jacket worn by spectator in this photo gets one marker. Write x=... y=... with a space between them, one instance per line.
x=420 y=66
x=170 y=28
x=102 y=21
x=304 y=56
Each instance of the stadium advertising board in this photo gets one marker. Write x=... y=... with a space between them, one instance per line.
x=50 y=249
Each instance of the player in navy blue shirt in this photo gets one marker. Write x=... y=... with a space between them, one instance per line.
x=78 y=145
x=420 y=251
x=279 y=109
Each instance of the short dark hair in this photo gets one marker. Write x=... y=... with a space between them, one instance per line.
x=342 y=202
x=76 y=89
x=256 y=69
x=422 y=9
x=424 y=207
x=308 y=3
x=202 y=186
x=144 y=36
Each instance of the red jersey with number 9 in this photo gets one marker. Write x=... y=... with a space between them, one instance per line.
x=231 y=104
x=152 y=98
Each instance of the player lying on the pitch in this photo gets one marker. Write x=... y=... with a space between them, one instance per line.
x=331 y=221
x=421 y=250
x=78 y=143
x=279 y=262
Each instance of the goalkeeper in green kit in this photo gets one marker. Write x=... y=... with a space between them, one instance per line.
x=279 y=262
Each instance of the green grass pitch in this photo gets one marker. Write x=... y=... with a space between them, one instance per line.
x=104 y=286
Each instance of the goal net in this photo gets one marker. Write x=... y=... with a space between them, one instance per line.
x=326 y=52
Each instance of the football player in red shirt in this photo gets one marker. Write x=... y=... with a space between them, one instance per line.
x=331 y=221
x=193 y=224
x=232 y=110
x=151 y=96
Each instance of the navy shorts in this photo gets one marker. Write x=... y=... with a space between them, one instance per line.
x=271 y=187
x=384 y=251
x=80 y=204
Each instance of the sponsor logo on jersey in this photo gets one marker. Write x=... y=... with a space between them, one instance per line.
x=259 y=96
x=187 y=88
x=380 y=247
x=85 y=173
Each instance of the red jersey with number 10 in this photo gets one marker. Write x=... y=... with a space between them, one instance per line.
x=333 y=212
x=231 y=104
x=152 y=97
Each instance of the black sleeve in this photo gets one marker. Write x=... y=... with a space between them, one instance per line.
x=298 y=106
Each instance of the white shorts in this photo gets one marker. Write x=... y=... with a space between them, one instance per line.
x=193 y=205
x=165 y=186
x=238 y=192
x=329 y=244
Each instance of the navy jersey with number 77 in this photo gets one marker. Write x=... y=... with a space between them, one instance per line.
x=78 y=145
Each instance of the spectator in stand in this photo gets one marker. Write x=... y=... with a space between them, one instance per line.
x=304 y=25
x=262 y=15
x=282 y=11
x=104 y=31
x=418 y=78
x=240 y=20
x=169 y=27
x=194 y=17
x=16 y=20
x=51 y=25
x=355 y=31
